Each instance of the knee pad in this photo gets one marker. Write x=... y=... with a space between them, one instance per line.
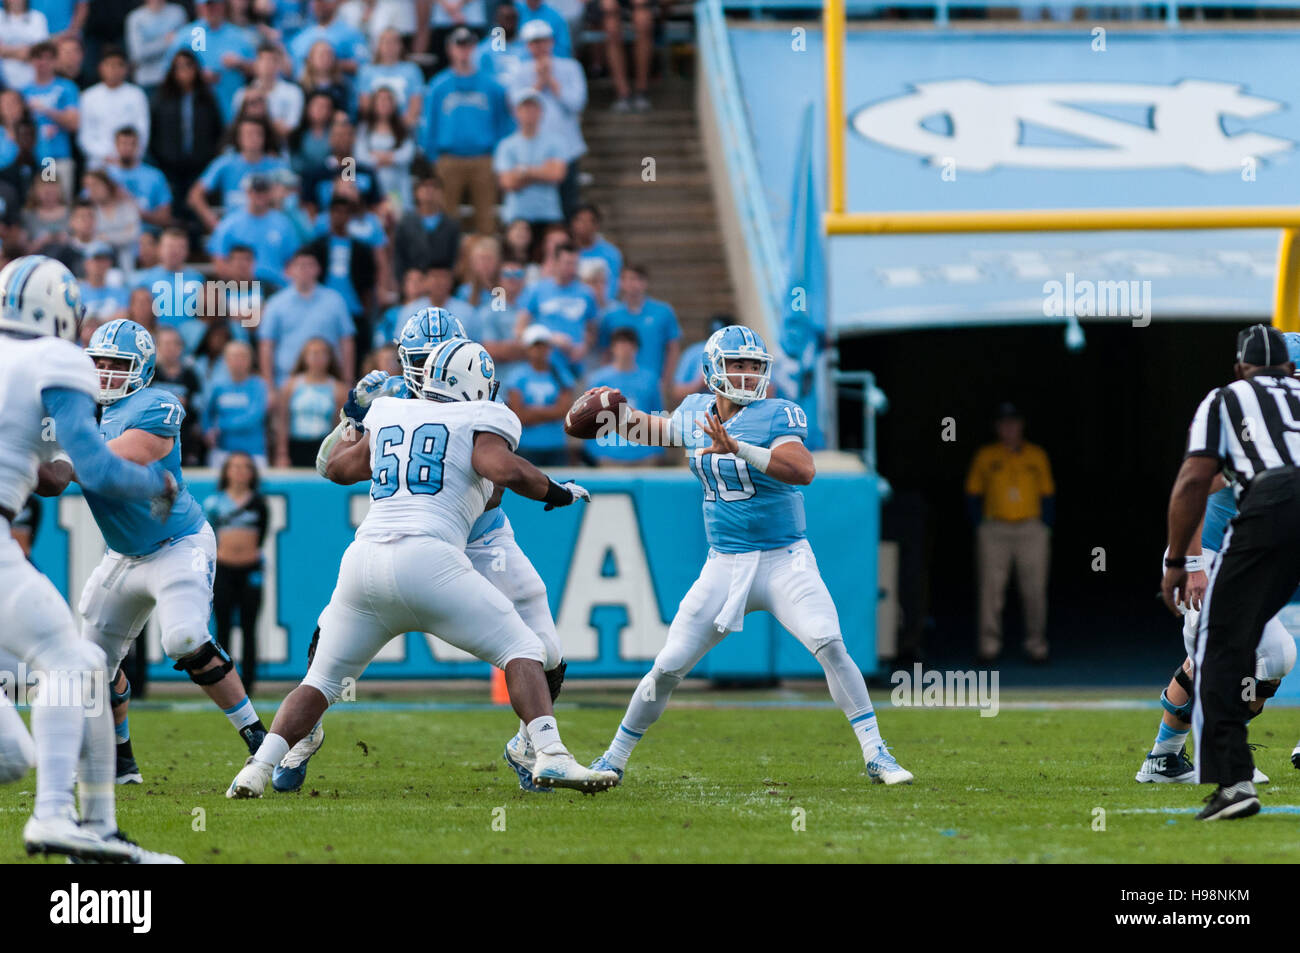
x=186 y=640
x=555 y=679
x=664 y=680
x=1276 y=654
x=190 y=664
x=116 y=700
x=1185 y=683
x=1181 y=712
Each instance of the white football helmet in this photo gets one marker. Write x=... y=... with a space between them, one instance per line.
x=459 y=369
x=40 y=297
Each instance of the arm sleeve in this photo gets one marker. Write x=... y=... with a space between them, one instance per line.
x=98 y=469
x=1205 y=435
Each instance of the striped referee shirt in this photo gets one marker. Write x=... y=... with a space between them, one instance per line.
x=1249 y=426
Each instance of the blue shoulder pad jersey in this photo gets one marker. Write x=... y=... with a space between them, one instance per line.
x=490 y=520
x=744 y=510
x=1220 y=508
x=127 y=527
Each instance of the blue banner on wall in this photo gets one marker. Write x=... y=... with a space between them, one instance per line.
x=615 y=569
x=952 y=120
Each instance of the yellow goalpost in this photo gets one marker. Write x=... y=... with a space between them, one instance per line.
x=839 y=221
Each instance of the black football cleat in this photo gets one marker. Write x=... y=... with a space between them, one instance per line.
x=1229 y=802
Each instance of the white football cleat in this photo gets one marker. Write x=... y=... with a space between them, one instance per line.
x=883 y=769
x=127 y=851
x=521 y=757
x=562 y=770
x=62 y=834
x=251 y=780
x=1259 y=778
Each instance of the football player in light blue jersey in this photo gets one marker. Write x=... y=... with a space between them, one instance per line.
x=151 y=566
x=748 y=453
x=1275 y=656
x=492 y=549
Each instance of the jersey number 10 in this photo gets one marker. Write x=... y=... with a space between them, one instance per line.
x=718 y=483
x=424 y=458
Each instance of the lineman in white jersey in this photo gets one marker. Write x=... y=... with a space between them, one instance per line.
x=433 y=464
x=47 y=398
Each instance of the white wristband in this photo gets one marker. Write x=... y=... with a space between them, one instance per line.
x=1195 y=563
x=335 y=435
x=757 y=457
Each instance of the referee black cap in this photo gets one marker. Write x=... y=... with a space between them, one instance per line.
x=1262 y=346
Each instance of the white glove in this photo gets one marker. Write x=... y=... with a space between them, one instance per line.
x=579 y=492
x=369 y=387
x=160 y=507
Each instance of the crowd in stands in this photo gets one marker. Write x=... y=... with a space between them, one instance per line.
x=273 y=187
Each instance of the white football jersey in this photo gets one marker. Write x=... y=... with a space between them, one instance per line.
x=27 y=439
x=423 y=481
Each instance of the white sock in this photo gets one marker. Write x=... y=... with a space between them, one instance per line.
x=241 y=714
x=98 y=772
x=647 y=704
x=1169 y=740
x=273 y=749
x=57 y=731
x=523 y=734
x=849 y=689
x=544 y=733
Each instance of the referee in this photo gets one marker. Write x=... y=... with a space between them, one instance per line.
x=1251 y=430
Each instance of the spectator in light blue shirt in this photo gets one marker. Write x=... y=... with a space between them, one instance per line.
x=392 y=71
x=540 y=392
x=53 y=101
x=147 y=185
x=237 y=406
x=225 y=175
x=502 y=50
x=565 y=306
x=178 y=291
x=654 y=321
x=63 y=16
x=641 y=387
x=584 y=226
x=530 y=10
x=296 y=314
x=530 y=166
x=227 y=51
x=563 y=88
x=349 y=44
x=260 y=226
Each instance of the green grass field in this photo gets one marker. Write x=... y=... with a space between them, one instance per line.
x=707 y=784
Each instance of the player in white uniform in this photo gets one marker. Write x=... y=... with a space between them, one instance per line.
x=748 y=452
x=433 y=464
x=47 y=402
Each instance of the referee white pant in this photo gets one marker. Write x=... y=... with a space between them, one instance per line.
x=412 y=584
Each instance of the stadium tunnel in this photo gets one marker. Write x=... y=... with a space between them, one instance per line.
x=1112 y=418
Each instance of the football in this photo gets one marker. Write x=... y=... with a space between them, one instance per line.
x=591 y=412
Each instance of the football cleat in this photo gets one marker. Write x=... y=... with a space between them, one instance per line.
x=1167 y=769
x=1230 y=802
x=1295 y=756
x=883 y=769
x=62 y=834
x=130 y=853
x=128 y=772
x=562 y=770
x=251 y=779
x=522 y=761
x=604 y=764
x=1259 y=778
x=291 y=772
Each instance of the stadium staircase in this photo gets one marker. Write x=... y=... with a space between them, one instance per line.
x=669 y=225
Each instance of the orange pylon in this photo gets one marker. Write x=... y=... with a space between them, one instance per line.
x=500 y=695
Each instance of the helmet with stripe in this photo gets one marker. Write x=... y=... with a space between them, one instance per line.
x=736 y=343
x=459 y=369
x=40 y=297
x=424 y=331
x=131 y=349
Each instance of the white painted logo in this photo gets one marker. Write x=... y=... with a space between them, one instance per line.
x=986 y=125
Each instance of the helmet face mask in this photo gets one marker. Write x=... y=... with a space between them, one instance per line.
x=124 y=356
x=423 y=332
x=737 y=344
x=459 y=370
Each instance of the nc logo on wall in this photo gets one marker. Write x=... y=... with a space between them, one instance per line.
x=987 y=123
